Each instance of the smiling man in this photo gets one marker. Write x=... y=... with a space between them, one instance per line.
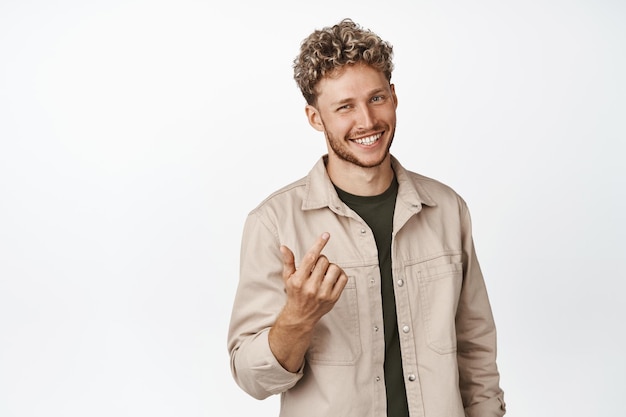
x=360 y=293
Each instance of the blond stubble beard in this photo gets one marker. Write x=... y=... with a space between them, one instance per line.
x=343 y=154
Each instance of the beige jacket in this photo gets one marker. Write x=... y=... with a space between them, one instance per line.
x=447 y=333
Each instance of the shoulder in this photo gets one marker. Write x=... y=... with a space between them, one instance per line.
x=270 y=213
x=431 y=192
x=290 y=204
x=310 y=191
x=436 y=189
x=289 y=193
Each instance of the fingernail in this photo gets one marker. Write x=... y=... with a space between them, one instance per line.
x=325 y=235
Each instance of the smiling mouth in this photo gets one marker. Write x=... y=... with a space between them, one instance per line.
x=369 y=140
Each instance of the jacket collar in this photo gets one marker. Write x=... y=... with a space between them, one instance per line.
x=320 y=192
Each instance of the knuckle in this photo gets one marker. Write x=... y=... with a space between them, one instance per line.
x=324 y=297
x=295 y=284
x=323 y=262
x=309 y=291
x=334 y=269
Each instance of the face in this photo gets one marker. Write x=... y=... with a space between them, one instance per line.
x=356 y=110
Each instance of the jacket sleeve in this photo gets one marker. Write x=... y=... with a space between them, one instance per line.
x=260 y=297
x=476 y=337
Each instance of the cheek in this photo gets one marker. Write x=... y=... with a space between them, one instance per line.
x=387 y=113
x=340 y=126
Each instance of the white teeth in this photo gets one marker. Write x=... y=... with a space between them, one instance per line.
x=368 y=140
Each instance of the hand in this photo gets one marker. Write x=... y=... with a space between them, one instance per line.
x=314 y=288
x=312 y=291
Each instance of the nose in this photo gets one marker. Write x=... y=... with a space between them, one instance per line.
x=365 y=118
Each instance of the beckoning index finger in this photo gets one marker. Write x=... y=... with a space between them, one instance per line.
x=314 y=252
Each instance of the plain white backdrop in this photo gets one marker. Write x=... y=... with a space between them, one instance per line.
x=135 y=136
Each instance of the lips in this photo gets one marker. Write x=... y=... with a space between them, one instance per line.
x=369 y=140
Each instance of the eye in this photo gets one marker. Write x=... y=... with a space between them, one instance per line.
x=377 y=99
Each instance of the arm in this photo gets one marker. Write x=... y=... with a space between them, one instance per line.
x=476 y=338
x=270 y=328
x=312 y=291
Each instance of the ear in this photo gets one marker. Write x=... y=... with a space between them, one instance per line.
x=314 y=118
x=394 y=96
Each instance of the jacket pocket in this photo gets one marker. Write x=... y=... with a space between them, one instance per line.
x=336 y=339
x=439 y=288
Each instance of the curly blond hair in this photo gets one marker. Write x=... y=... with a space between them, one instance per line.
x=332 y=48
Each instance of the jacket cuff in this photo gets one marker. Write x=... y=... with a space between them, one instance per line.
x=266 y=370
x=493 y=407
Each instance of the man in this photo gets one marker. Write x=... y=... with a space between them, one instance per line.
x=360 y=293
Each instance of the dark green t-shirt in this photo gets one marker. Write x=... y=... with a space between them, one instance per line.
x=377 y=212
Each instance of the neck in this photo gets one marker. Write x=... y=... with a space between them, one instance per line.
x=358 y=180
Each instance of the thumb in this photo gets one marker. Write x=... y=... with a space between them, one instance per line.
x=289 y=265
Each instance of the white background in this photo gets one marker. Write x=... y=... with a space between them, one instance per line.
x=135 y=136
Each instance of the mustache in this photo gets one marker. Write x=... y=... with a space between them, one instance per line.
x=364 y=133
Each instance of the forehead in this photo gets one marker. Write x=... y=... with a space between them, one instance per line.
x=350 y=81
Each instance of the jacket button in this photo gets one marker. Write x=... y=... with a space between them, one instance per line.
x=411 y=377
x=400 y=283
x=406 y=328
x=363 y=231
